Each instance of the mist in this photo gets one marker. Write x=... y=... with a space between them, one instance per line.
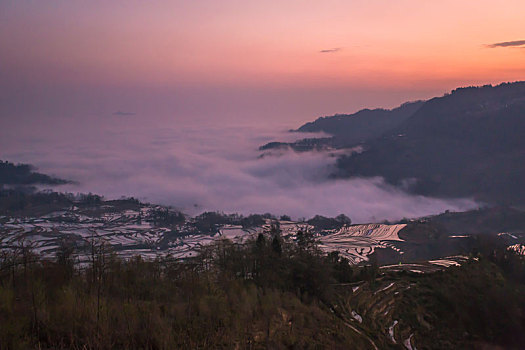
x=206 y=168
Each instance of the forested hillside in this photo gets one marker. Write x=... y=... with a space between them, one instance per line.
x=466 y=144
x=267 y=293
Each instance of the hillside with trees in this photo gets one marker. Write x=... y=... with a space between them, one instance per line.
x=468 y=143
x=276 y=287
x=24 y=174
x=267 y=293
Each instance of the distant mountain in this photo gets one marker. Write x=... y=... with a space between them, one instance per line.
x=504 y=221
x=367 y=124
x=349 y=130
x=24 y=174
x=303 y=145
x=469 y=143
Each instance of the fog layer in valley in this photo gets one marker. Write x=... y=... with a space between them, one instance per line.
x=211 y=167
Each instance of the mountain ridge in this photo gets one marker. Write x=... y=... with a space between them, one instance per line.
x=466 y=143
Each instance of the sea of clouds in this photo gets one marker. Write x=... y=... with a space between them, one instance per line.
x=206 y=167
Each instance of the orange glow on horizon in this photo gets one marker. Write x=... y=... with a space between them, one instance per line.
x=275 y=43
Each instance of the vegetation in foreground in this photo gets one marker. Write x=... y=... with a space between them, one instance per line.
x=268 y=293
x=478 y=305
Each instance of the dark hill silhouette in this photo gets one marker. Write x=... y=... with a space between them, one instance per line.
x=470 y=143
x=24 y=174
x=351 y=129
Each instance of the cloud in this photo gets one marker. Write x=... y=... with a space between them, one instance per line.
x=123 y=114
x=335 y=49
x=515 y=43
x=215 y=168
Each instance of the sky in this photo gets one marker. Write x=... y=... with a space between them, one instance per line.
x=168 y=101
x=249 y=60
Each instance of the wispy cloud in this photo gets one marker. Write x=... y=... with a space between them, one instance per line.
x=515 y=43
x=123 y=114
x=335 y=49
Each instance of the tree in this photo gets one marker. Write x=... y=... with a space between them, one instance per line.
x=64 y=256
x=343 y=219
x=276 y=245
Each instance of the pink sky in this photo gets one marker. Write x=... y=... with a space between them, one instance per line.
x=202 y=81
x=380 y=52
